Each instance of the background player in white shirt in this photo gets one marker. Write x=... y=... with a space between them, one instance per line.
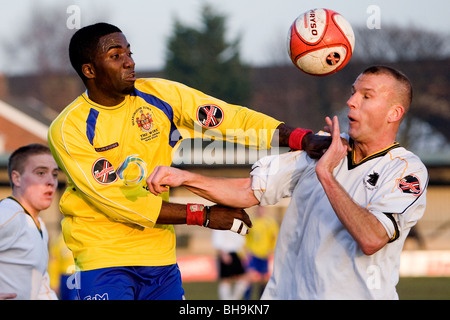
x=229 y=247
x=23 y=237
x=350 y=212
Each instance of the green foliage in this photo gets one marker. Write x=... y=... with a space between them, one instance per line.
x=203 y=59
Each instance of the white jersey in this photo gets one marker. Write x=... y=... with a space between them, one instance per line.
x=315 y=256
x=227 y=241
x=23 y=254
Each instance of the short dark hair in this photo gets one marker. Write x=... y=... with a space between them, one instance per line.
x=19 y=157
x=399 y=76
x=84 y=43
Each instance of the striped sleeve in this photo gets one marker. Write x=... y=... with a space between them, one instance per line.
x=400 y=200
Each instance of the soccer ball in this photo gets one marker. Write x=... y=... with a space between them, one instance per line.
x=320 y=42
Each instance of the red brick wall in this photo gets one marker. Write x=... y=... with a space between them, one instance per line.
x=14 y=136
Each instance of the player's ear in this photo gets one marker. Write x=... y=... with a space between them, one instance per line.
x=88 y=70
x=15 y=178
x=396 y=113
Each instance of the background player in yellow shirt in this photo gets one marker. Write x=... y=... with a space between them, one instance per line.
x=109 y=139
x=260 y=246
x=60 y=269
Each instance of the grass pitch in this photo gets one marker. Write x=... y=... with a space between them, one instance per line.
x=429 y=288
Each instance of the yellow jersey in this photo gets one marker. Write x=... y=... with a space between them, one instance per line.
x=108 y=152
x=263 y=237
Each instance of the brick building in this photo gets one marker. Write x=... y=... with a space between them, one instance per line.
x=18 y=128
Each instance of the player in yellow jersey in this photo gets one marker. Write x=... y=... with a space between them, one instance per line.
x=108 y=140
x=260 y=246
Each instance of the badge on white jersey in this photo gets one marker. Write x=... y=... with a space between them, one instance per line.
x=410 y=184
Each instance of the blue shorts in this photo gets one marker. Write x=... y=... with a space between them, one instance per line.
x=66 y=293
x=131 y=283
x=260 y=265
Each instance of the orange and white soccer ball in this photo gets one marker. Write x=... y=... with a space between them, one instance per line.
x=320 y=42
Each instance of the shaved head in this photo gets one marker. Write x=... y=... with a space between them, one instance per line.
x=403 y=91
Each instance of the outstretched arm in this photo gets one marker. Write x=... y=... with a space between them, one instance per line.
x=218 y=217
x=301 y=139
x=235 y=193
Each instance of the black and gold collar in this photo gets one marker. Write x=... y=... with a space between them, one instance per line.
x=351 y=155
x=36 y=222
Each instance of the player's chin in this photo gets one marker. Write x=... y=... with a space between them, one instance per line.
x=128 y=87
x=352 y=132
x=44 y=204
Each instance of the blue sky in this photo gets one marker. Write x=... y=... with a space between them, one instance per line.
x=262 y=24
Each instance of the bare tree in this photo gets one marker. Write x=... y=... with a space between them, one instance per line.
x=41 y=46
x=393 y=43
x=39 y=50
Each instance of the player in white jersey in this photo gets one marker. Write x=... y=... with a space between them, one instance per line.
x=23 y=237
x=390 y=186
x=350 y=212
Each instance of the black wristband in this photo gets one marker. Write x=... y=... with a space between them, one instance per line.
x=208 y=216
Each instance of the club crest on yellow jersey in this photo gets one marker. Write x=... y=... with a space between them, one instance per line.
x=144 y=119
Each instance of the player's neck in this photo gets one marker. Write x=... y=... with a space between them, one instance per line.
x=362 y=151
x=34 y=213
x=105 y=100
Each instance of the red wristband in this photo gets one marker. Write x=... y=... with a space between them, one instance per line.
x=194 y=214
x=296 y=137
